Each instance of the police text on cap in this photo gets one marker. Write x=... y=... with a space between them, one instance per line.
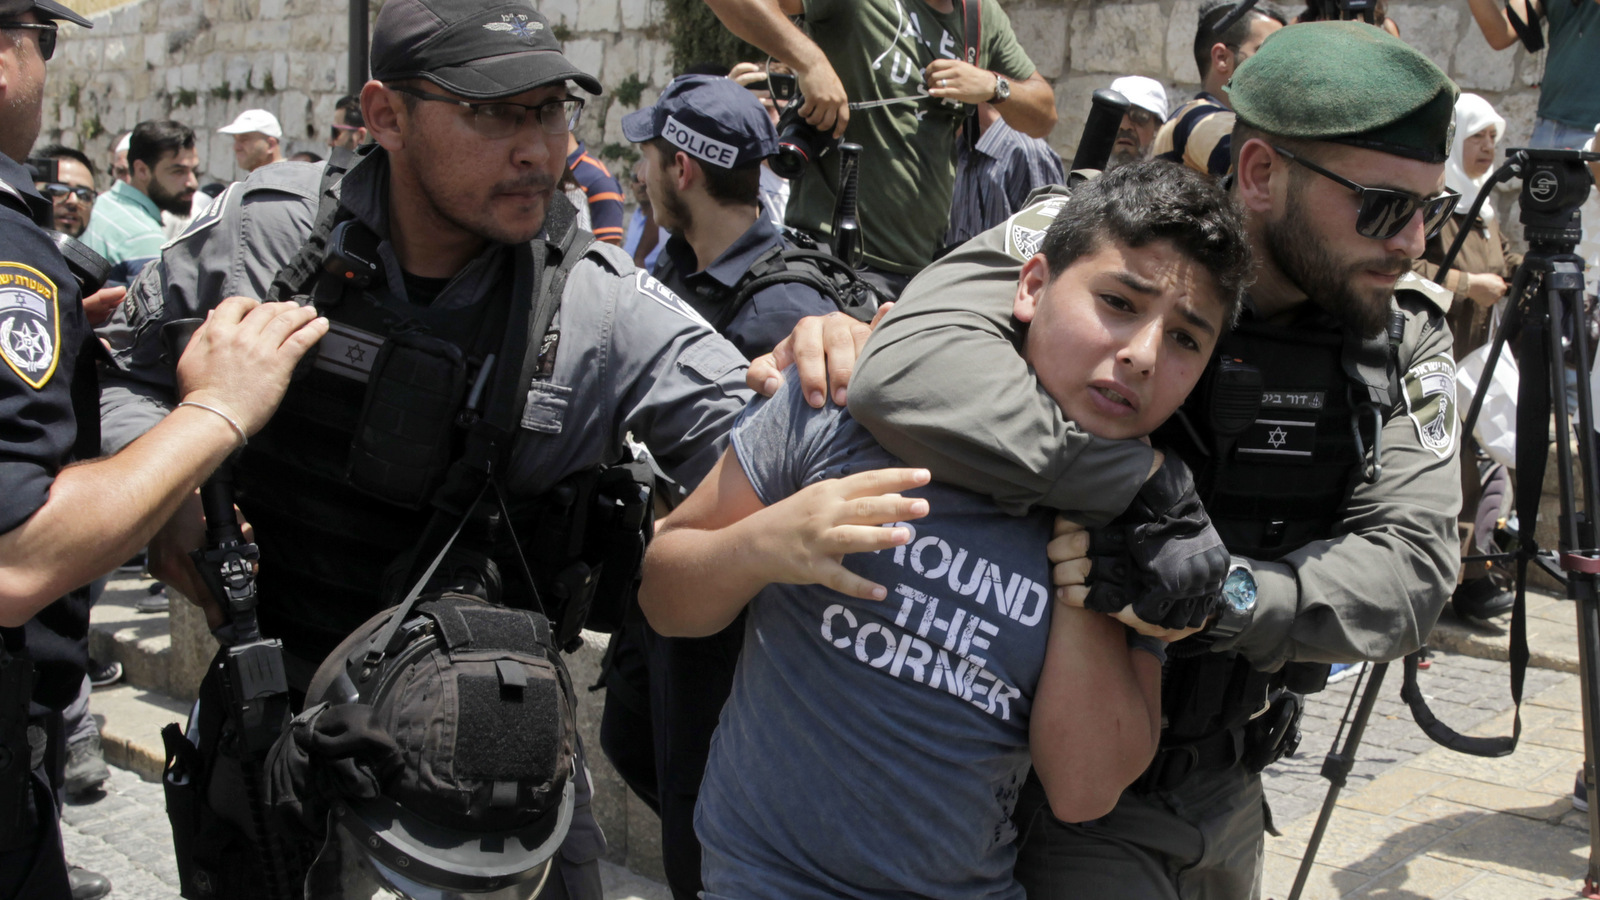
x=697 y=144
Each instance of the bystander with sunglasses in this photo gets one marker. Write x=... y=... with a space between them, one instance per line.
x=72 y=193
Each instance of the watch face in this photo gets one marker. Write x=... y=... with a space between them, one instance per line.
x=1239 y=590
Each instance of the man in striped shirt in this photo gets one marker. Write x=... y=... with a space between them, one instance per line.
x=605 y=195
x=126 y=224
x=1198 y=133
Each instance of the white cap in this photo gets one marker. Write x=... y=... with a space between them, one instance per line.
x=1143 y=92
x=124 y=143
x=259 y=120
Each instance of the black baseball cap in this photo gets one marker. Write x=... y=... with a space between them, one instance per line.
x=46 y=9
x=475 y=49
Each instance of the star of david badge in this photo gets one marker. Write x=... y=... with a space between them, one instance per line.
x=1277 y=437
x=355 y=353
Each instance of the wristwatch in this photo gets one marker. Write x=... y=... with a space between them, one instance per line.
x=1002 y=89
x=1238 y=601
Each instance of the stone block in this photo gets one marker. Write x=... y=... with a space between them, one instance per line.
x=1521 y=849
x=589 y=55
x=598 y=15
x=192 y=643
x=294 y=109
x=155 y=49
x=1124 y=39
x=1502 y=798
x=1479 y=67
x=1438 y=811
x=1420 y=877
x=236 y=74
x=1431 y=28
x=1042 y=31
x=623 y=60
x=560 y=11
x=1072 y=108
x=1530 y=67
x=1180 y=42
x=661 y=68
x=189 y=76
x=1324 y=883
x=1366 y=843
x=116 y=52
x=1392 y=790
x=639 y=13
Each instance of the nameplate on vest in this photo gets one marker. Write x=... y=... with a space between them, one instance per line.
x=348 y=351
x=1307 y=400
x=1282 y=438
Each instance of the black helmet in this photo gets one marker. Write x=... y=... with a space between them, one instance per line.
x=480 y=708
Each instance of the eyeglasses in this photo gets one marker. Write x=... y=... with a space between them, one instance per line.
x=1385 y=212
x=499 y=119
x=1141 y=117
x=47 y=35
x=334 y=134
x=56 y=191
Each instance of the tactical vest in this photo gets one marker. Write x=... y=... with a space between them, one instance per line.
x=1276 y=485
x=359 y=468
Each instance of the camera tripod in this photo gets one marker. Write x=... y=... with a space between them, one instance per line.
x=1546 y=293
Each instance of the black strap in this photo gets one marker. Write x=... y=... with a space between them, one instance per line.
x=972 y=29
x=306 y=264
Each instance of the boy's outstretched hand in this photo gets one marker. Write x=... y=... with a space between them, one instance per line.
x=807 y=534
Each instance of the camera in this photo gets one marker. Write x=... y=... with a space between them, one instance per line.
x=43 y=169
x=799 y=143
x=783 y=87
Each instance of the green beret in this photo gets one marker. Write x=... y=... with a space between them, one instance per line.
x=1347 y=82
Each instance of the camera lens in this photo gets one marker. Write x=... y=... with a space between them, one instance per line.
x=790 y=161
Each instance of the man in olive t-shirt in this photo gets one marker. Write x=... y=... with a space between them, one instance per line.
x=910 y=52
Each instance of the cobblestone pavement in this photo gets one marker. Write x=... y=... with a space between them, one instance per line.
x=124 y=834
x=1463 y=692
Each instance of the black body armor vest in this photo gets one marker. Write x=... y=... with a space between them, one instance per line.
x=361 y=467
x=1275 y=486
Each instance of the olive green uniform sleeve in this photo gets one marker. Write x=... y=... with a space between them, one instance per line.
x=942 y=384
x=1375 y=591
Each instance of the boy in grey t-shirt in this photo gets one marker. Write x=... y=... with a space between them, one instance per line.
x=903 y=662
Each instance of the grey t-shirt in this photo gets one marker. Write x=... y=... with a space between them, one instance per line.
x=875 y=749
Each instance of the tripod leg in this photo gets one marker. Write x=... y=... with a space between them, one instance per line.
x=1336 y=768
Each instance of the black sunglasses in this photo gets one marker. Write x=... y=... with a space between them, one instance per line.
x=47 y=35
x=1386 y=212
x=56 y=191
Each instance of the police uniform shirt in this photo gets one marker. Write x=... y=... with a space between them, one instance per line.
x=631 y=357
x=46 y=380
x=771 y=312
x=1373 y=591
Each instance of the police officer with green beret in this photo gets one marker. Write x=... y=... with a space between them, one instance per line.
x=1322 y=440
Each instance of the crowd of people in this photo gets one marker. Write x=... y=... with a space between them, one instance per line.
x=967 y=527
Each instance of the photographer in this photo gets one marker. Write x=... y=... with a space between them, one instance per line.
x=1569 y=106
x=870 y=51
x=1198 y=133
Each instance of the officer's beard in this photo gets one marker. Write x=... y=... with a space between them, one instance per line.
x=1329 y=282
x=674 y=214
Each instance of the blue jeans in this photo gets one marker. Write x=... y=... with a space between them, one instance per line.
x=1548 y=133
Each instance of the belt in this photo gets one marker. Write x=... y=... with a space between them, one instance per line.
x=1174 y=763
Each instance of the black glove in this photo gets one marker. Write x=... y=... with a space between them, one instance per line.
x=1161 y=555
x=328 y=751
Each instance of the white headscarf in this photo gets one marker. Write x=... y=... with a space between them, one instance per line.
x=1473 y=114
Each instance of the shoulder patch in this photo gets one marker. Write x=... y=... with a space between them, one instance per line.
x=1025 y=230
x=1430 y=392
x=663 y=295
x=1440 y=297
x=209 y=217
x=30 y=323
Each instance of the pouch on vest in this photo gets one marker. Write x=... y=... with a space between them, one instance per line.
x=403 y=441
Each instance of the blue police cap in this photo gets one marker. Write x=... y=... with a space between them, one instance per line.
x=711 y=118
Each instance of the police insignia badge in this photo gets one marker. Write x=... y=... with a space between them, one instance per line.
x=1431 y=403
x=1025 y=230
x=660 y=293
x=30 y=323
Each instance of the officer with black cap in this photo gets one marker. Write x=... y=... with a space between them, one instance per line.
x=477 y=339
x=57 y=530
x=1322 y=440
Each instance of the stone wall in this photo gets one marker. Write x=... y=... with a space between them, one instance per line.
x=202 y=61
